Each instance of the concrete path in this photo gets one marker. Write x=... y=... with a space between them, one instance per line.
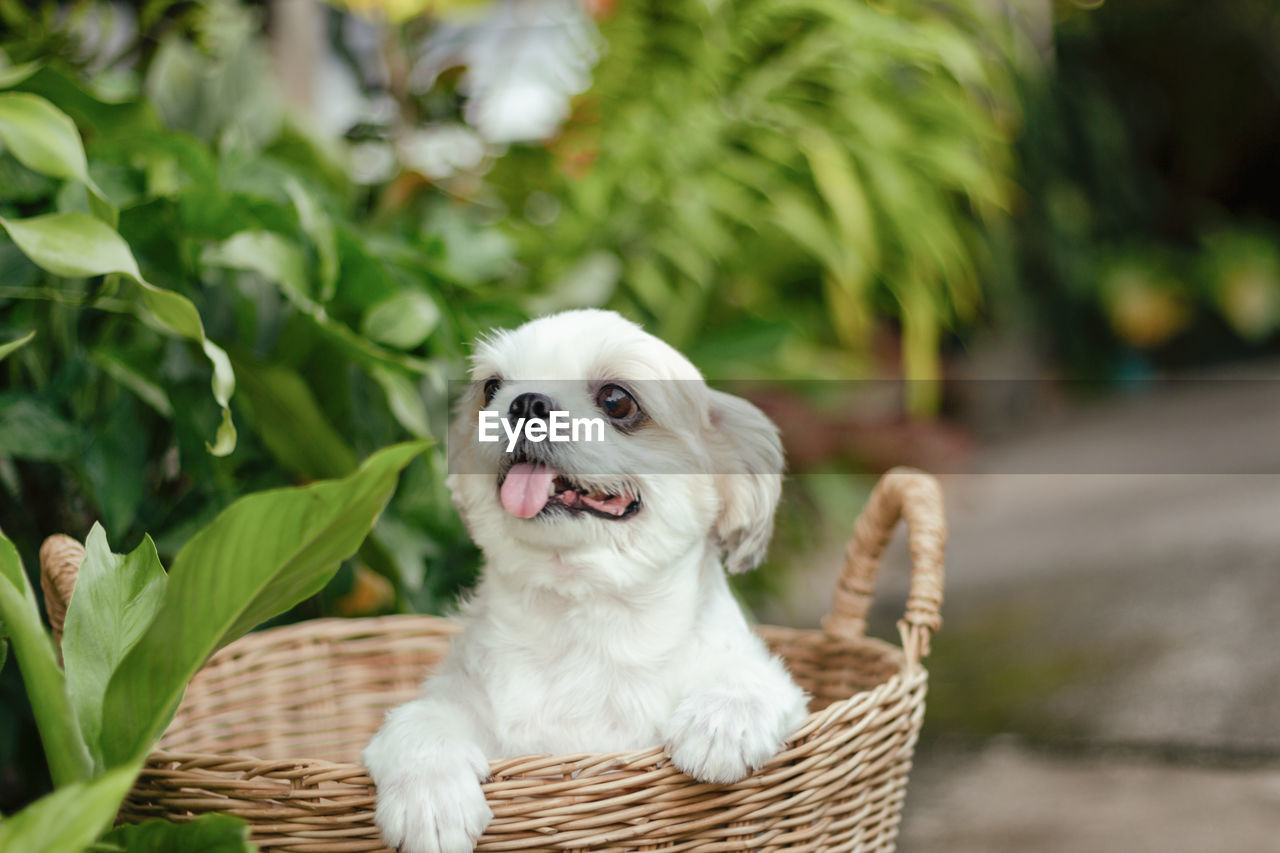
x=1113 y=582
x=1005 y=799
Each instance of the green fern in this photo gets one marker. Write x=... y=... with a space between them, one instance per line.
x=823 y=159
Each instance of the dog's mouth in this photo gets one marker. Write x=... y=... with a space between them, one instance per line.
x=529 y=489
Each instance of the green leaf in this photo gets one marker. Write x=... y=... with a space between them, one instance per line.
x=127 y=119
x=75 y=245
x=404 y=321
x=837 y=179
x=291 y=423
x=268 y=254
x=405 y=401
x=259 y=557
x=69 y=819
x=363 y=279
x=121 y=371
x=282 y=263
x=16 y=344
x=31 y=429
x=64 y=748
x=319 y=228
x=210 y=833
x=15 y=74
x=113 y=463
x=116 y=597
x=42 y=137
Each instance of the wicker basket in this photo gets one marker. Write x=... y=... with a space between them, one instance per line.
x=272 y=727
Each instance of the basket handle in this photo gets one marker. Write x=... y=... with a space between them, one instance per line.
x=916 y=497
x=60 y=558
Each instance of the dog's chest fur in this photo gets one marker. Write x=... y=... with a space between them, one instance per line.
x=597 y=673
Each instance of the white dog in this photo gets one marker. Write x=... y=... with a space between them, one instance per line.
x=603 y=620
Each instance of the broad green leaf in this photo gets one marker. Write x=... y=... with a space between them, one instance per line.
x=64 y=748
x=42 y=137
x=404 y=321
x=224 y=440
x=291 y=423
x=73 y=245
x=15 y=74
x=128 y=376
x=78 y=246
x=101 y=207
x=31 y=429
x=16 y=344
x=116 y=597
x=210 y=833
x=259 y=557
x=282 y=263
x=405 y=401
x=319 y=228
x=113 y=463
x=71 y=818
x=267 y=253
x=106 y=121
x=363 y=279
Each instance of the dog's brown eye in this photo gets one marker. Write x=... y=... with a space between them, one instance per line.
x=617 y=403
x=491 y=387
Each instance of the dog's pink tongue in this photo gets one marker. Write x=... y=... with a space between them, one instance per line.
x=524 y=492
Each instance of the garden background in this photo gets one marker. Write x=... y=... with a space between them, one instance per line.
x=1033 y=245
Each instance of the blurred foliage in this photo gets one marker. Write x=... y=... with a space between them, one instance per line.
x=763 y=181
x=340 y=311
x=341 y=325
x=1148 y=232
x=398 y=11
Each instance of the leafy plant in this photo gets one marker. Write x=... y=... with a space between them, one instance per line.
x=210 y=833
x=1147 y=232
x=255 y=257
x=154 y=250
x=788 y=170
x=134 y=637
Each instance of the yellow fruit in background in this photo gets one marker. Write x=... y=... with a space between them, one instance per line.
x=1250 y=302
x=1144 y=312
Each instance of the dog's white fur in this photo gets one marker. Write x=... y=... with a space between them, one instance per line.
x=591 y=634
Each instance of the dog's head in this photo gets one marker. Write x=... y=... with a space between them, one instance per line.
x=656 y=465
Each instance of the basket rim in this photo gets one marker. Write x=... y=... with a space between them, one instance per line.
x=907 y=676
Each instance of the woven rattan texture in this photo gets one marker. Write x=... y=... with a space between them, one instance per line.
x=272 y=727
x=318 y=690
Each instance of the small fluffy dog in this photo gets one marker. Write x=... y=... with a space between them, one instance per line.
x=603 y=620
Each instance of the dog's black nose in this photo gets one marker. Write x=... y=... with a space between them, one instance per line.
x=532 y=406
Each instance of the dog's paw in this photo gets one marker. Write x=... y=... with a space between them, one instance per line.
x=722 y=736
x=431 y=804
x=432 y=812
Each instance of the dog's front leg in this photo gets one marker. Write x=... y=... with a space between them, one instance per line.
x=735 y=715
x=428 y=762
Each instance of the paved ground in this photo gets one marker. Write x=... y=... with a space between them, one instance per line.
x=1005 y=799
x=1114 y=583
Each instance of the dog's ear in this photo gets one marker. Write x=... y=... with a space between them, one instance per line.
x=747 y=458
